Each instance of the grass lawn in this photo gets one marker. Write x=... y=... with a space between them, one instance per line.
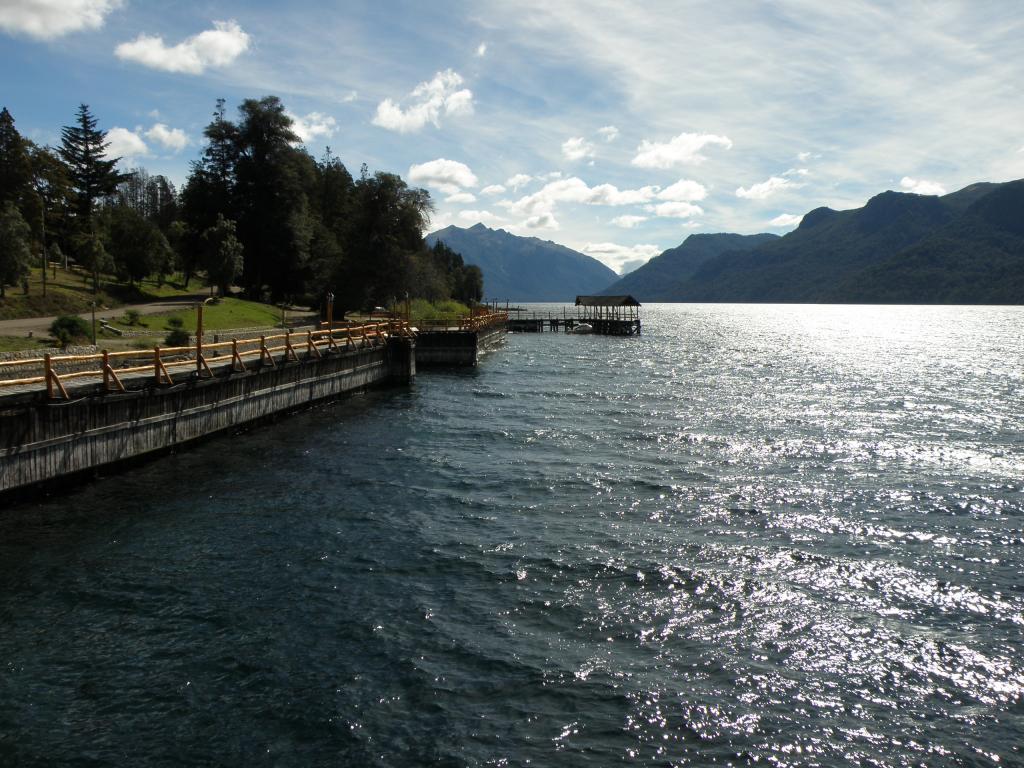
x=18 y=343
x=70 y=293
x=228 y=313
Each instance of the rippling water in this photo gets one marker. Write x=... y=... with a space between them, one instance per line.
x=755 y=535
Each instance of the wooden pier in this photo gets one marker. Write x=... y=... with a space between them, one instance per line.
x=606 y=316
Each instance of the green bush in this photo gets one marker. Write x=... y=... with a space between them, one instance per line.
x=177 y=338
x=132 y=317
x=70 y=328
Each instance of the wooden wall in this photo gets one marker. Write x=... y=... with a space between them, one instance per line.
x=42 y=441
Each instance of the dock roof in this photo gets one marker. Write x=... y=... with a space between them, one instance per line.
x=606 y=301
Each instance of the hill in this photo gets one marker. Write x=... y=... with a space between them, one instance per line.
x=525 y=268
x=965 y=247
x=657 y=279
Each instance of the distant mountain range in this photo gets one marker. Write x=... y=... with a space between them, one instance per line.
x=963 y=248
x=525 y=268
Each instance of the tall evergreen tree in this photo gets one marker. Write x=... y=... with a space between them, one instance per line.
x=14 y=246
x=15 y=170
x=93 y=176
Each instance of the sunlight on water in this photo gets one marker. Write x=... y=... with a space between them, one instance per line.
x=756 y=535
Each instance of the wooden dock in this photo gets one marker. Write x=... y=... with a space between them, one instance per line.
x=606 y=316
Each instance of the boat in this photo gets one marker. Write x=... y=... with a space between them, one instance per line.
x=583 y=328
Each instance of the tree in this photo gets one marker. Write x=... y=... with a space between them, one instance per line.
x=387 y=231
x=52 y=187
x=15 y=171
x=14 y=246
x=224 y=260
x=92 y=175
x=273 y=179
x=134 y=243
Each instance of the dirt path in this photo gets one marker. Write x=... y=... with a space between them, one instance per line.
x=40 y=326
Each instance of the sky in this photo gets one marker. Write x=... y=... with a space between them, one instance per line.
x=615 y=128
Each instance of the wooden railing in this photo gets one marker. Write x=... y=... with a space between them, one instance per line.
x=464 y=322
x=161 y=360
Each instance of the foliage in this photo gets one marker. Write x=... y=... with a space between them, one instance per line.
x=132 y=317
x=224 y=260
x=136 y=246
x=15 y=168
x=70 y=328
x=14 y=247
x=177 y=335
x=92 y=175
x=425 y=312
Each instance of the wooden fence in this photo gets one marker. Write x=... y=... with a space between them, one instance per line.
x=161 y=360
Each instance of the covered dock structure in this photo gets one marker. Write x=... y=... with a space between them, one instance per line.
x=609 y=315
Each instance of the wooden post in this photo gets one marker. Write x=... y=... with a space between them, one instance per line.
x=236 y=359
x=311 y=348
x=199 y=340
x=159 y=369
x=289 y=352
x=49 y=375
x=109 y=375
x=265 y=354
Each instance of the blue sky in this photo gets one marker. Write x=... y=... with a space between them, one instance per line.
x=614 y=128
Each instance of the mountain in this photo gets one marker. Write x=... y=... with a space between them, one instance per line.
x=965 y=247
x=525 y=268
x=656 y=280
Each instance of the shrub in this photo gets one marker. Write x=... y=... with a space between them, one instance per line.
x=69 y=328
x=178 y=336
x=132 y=317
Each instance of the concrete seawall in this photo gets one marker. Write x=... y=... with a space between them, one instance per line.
x=43 y=440
x=456 y=348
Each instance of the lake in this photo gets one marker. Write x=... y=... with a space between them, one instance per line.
x=771 y=535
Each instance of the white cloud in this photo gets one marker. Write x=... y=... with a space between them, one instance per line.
x=675 y=210
x=763 y=190
x=173 y=139
x=50 y=19
x=575 y=190
x=430 y=100
x=797 y=172
x=541 y=221
x=312 y=126
x=517 y=181
x=350 y=97
x=483 y=217
x=617 y=257
x=492 y=189
x=448 y=176
x=680 y=150
x=628 y=222
x=461 y=197
x=577 y=148
x=125 y=144
x=608 y=133
x=684 y=191
x=217 y=47
x=921 y=187
x=481 y=50
x=803 y=157
x=785 y=220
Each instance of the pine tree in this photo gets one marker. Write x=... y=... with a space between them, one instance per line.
x=15 y=172
x=14 y=248
x=92 y=175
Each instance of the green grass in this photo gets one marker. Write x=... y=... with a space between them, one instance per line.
x=228 y=313
x=429 y=312
x=18 y=343
x=70 y=293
